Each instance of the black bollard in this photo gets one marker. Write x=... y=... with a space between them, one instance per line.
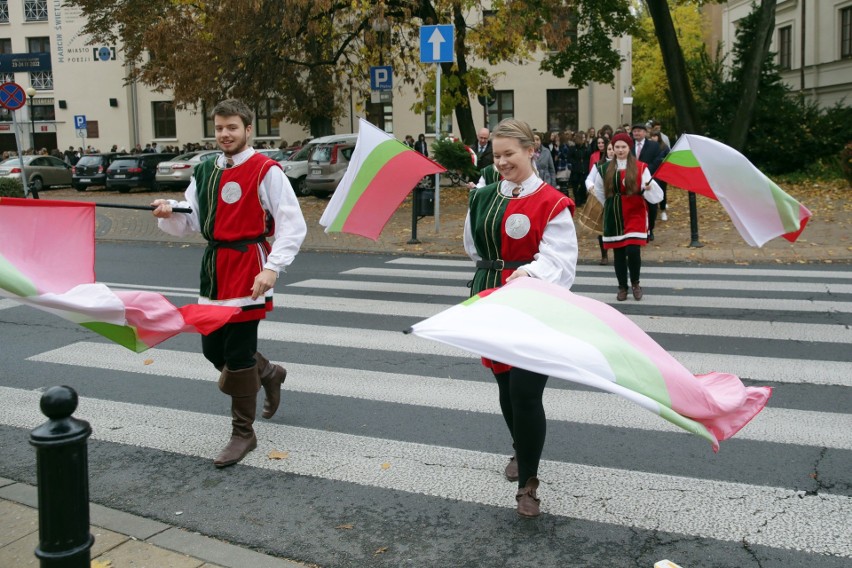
x=63 y=483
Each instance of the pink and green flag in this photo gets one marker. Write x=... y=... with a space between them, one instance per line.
x=759 y=208
x=47 y=261
x=548 y=329
x=381 y=173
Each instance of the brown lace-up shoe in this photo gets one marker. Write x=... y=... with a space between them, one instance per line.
x=622 y=294
x=528 y=502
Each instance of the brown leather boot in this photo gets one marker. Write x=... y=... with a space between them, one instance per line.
x=528 y=502
x=637 y=291
x=622 y=294
x=242 y=386
x=271 y=377
x=511 y=471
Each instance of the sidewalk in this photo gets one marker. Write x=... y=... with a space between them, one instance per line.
x=826 y=238
x=122 y=540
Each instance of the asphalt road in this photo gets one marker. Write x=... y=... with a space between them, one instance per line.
x=393 y=446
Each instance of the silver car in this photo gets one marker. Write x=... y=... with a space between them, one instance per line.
x=42 y=171
x=176 y=172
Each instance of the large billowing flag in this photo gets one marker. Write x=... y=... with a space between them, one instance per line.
x=548 y=329
x=759 y=208
x=47 y=261
x=381 y=172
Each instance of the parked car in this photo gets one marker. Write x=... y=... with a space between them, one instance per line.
x=42 y=171
x=296 y=166
x=273 y=153
x=176 y=173
x=91 y=169
x=326 y=167
x=137 y=170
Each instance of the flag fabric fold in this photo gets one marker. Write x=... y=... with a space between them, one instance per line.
x=381 y=172
x=759 y=209
x=47 y=261
x=548 y=329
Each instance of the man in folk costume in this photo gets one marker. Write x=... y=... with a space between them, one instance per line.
x=520 y=227
x=238 y=201
x=624 y=186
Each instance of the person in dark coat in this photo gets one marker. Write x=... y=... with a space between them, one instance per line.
x=484 y=153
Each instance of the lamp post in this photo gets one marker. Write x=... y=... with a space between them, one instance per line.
x=31 y=92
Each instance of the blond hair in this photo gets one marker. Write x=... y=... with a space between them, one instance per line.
x=517 y=129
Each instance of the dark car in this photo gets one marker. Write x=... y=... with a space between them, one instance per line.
x=138 y=170
x=91 y=170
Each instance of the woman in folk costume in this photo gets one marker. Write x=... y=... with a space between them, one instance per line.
x=520 y=227
x=238 y=201
x=624 y=186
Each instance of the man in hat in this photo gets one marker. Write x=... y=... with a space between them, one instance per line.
x=647 y=151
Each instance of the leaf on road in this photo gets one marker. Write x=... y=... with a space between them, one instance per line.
x=278 y=455
x=381 y=550
x=106 y=563
x=347 y=526
x=386 y=465
x=147 y=361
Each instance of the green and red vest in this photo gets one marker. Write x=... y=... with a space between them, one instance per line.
x=236 y=227
x=625 y=217
x=510 y=228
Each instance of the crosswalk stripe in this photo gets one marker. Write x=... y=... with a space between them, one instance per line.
x=750 y=271
x=358 y=305
x=656 y=282
x=766 y=516
x=783 y=426
x=6 y=304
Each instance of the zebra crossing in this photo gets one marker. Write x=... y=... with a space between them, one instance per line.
x=340 y=337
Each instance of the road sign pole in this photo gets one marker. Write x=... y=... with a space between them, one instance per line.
x=437 y=137
x=20 y=154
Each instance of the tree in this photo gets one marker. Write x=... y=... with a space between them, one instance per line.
x=304 y=53
x=652 y=96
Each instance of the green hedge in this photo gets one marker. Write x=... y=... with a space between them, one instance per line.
x=11 y=188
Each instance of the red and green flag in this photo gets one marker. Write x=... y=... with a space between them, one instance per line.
x=47 y=261
x=759 y=209
x=381 y=173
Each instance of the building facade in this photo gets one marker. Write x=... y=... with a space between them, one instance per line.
x=83 y=97
x=812 y=41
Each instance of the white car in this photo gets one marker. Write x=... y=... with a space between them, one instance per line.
x=175 y=173
x=296 y=166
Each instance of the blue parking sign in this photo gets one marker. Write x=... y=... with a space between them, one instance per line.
x=436 y=44
x=79 y=121
x=381 y=78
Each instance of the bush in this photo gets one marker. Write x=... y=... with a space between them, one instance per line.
x=454 y=156
x=10 y=187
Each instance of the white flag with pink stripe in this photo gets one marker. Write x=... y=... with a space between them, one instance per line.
x=548 y=329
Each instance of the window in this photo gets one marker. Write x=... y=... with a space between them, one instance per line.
x=43 y=112
x=267 y=123
x=562 y=109
x=164 y=119
x=785 y=47
x=381 y=114
x=35 y=10
x=502 y=107
x=209 y=128
x=4 y=11
x=6 y=47
x=40 y=80
x=846 y=32
x=446 y=125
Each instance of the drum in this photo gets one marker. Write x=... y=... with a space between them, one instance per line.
x=590 y=216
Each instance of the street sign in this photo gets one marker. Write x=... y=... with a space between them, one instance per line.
x=12 y=96
x=436 y=44
x=79 y=121
x=381 y=78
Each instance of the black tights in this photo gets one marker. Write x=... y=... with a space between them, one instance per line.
x=233 y=344
x=520 y=400
x=629 y=257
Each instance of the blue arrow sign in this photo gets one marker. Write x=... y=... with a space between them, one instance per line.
x=436 y=44
x=381 y=78
x=79 y=121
